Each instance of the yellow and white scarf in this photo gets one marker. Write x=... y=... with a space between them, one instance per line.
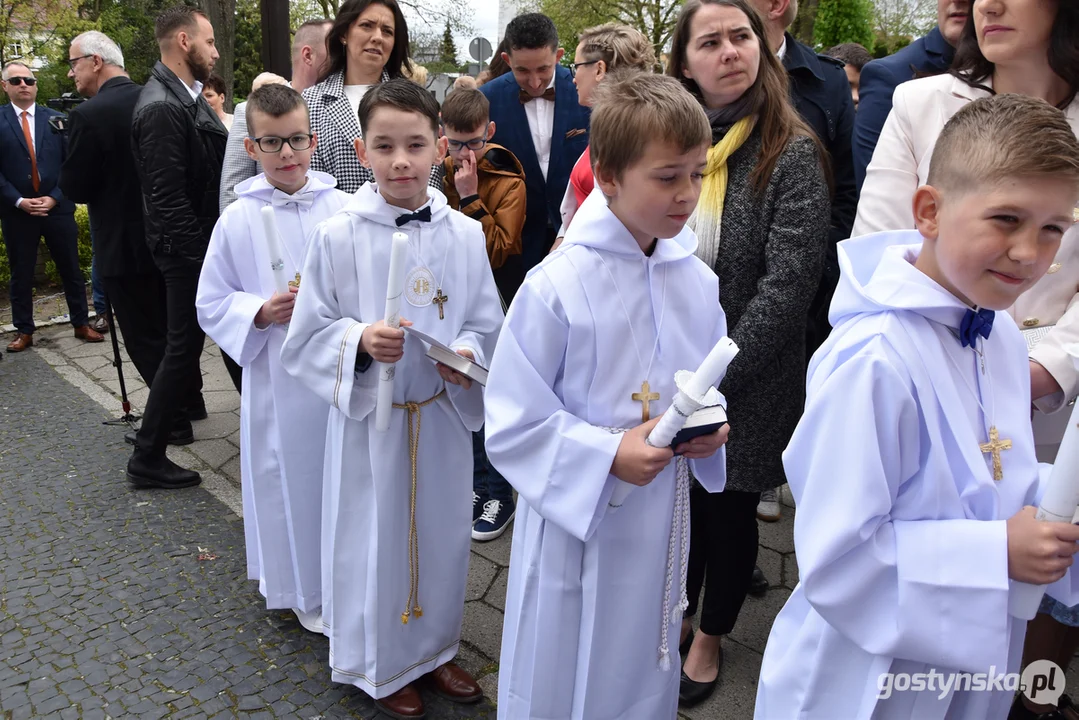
x=707 y=218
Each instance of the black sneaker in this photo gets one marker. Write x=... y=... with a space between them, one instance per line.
x=493 y=521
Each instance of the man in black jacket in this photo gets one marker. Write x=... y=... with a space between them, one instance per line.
x=179 y=145
x=100 y=172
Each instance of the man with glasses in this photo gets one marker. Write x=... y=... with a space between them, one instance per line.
x=485 y=181
x=32 y=207
x=544 y=126
x=100 y=172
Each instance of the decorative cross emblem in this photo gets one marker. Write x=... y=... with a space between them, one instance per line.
x=645 y=396
x=441 y=300
x=994 y=446
x=295 y=283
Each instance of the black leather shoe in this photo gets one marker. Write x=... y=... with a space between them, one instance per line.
x=164 y=474
x=177 y=436
x=758 y=584
x=683 y=649
x=197 y=409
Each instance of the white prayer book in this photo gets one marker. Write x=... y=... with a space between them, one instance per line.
x=448 y=357
x=703 y=422
x=1035 y=335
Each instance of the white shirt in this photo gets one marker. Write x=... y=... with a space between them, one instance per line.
x=195 y=89
x=540 y=114
x=30 y=111
x=782 y=49
x=355 y=94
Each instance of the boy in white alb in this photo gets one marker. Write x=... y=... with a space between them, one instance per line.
x=583 y=370
x=282 y=423
x=397 y=507
x=913 y=468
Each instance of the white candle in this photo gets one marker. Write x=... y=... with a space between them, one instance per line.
x=712 y=369
x=273 y=246
x=394 y=285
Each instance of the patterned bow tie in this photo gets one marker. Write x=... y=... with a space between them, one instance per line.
x=975 y=324
x=423 y=215
x=301 y=199
x=548 y=94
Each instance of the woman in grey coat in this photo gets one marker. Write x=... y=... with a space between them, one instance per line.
x=773 y=211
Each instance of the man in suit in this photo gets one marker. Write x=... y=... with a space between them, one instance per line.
x=930 y=55
x=32 y=206
x=540 y=121
x=178 y=143
x=100 y=172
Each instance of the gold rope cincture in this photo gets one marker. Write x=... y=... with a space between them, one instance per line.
x=412 y=607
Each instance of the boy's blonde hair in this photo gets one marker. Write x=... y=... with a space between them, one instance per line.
x=1003 y=136
x=620 y=47
x=630 y=112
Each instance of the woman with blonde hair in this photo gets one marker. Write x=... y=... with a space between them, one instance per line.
x=601 y=50
x=766 y=188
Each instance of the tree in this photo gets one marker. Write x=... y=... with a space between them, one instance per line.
x=843 y=21
x=897 y=21
x=802 y=27
x=247 y=50
x=222 y=15
x=448 y=51
x=654 y=18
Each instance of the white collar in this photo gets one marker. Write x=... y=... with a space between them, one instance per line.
x=782 y=48
x=18 y=111
x=195 y=89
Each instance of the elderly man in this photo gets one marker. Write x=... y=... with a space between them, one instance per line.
x=178 y=143
x=100 y=172
x=32 y=206
x=308 y=55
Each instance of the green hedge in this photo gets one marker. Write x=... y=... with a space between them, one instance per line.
x=82 y=219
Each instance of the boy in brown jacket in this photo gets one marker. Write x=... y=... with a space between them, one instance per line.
x=484 y=181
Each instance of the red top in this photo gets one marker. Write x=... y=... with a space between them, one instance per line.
x=581 y=178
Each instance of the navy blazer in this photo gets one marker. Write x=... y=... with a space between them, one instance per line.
x=15 y=179
x=930 y=55
x=569 y=138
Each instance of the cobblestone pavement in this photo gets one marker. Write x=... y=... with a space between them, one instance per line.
x=107 y=610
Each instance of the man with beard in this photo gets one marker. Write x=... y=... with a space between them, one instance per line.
x=179 y=144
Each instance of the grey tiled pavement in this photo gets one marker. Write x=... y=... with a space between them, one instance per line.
x=107 y=610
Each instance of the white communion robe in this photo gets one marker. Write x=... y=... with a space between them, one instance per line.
x=282 y=423
x=901 y=529
x=584 y=607
x=368 y=569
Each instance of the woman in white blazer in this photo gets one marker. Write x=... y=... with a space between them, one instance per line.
x=1028 y=47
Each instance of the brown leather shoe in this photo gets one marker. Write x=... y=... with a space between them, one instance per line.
x=453 y=683
x=20 y=343
x=100 y=324
x=88 y=334
x=405 y=704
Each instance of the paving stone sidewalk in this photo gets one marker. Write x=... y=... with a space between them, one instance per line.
x=104 y=599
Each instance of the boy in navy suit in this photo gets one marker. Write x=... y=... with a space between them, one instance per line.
x=544 y=126
x=32 y=206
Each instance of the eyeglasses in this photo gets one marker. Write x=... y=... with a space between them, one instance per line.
x=272 y=144
x=573 y=66
x=19 y=80
x=71 y=61
x=475 y=144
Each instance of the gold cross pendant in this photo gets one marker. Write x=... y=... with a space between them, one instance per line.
x=994 y=446
x=295 y=283
x=441 y=300
x=645 y=396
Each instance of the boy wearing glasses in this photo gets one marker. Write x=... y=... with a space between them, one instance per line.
x=485 y=181
x=282 y=422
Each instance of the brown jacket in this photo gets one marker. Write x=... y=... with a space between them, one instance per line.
x=500 y=204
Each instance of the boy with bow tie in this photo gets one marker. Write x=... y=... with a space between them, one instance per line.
x=913 y=467
x=282 y=423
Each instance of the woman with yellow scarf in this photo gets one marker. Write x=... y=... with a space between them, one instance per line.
x=762 y=223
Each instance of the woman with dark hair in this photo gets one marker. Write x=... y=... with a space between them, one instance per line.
x=367 y=44
x=766 y=187
x=214 y=91
x=497 y=67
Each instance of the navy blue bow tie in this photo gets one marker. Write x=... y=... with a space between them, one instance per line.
x=975 y=324
x=423 y=215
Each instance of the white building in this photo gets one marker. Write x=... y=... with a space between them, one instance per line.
x=509 y=9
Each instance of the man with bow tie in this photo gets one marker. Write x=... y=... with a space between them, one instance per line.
x=540 y=121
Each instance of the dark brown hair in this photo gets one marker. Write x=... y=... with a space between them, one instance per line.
x=171 y=21
x=972 y=67
x=777 y=121
x=337 y=55
x=400 y=94
x=273 y=100
x=465 y=110
x=216 y=83
x=851 y=54
x=1004 y=136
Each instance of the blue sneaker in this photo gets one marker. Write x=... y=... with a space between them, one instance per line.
x=493 y=522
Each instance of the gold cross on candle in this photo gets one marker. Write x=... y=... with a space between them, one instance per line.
x=441 y=300
x=295 y=283
x=645 y=396
x=994 y=446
